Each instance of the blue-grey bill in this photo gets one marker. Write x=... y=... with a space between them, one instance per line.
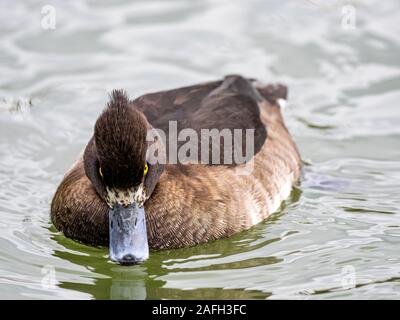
x=128 y=234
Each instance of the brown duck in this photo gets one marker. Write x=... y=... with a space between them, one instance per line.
x=114 y=195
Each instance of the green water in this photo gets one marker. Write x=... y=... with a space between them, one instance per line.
x=336 y=237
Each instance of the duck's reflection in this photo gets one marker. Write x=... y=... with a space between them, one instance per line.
x=110 y=281
x=128 y=283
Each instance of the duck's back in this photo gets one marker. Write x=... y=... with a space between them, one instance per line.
x=231 y=104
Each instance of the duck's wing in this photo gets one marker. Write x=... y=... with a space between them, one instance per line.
x=230 y=105
x=173 y=105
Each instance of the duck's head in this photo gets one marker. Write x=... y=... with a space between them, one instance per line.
x=115 y=162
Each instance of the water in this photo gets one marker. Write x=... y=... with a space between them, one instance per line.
x=337 y=237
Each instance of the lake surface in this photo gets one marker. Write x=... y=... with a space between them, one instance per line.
x=338 y=236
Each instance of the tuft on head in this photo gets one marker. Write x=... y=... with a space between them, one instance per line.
x=120 y=137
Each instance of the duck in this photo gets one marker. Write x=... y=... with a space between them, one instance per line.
x=117 y=195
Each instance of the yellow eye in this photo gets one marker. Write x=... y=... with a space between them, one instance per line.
x=101 y=173
x=146 y=168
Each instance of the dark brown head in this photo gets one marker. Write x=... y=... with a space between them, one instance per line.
x=120 y=137
x=115 y=162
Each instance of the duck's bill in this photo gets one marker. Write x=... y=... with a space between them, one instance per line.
x=128 y=235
